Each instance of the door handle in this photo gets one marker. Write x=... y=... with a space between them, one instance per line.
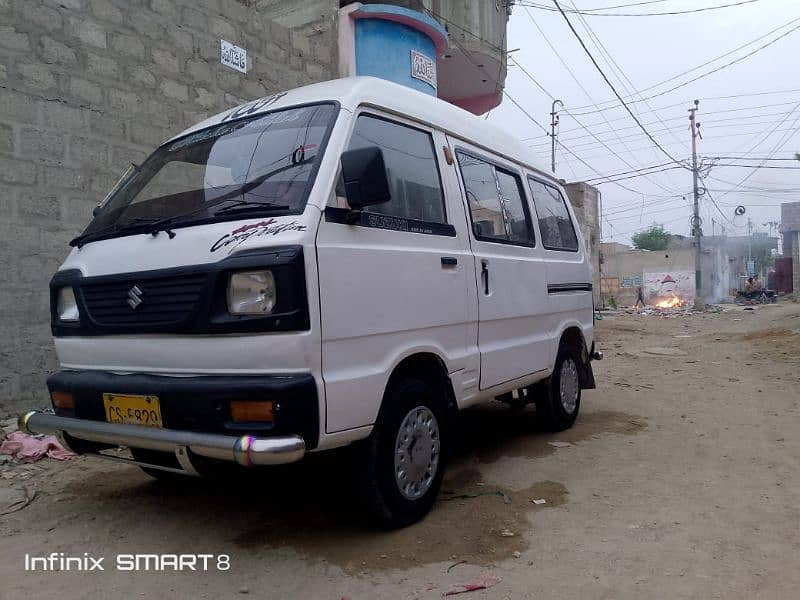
x=485 y=275
x=449 y=261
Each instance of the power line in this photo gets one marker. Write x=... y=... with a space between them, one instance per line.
x=648 y=226
x=634 y=176
x=743 y=120
x=777 y=147
x=613 y=89
x=635 y=170
x=621 y=76
x=714 y=125
x=566 y=66
x=719 y=210
x=760 y=166
x=613 y=7
x=752 y=158
x=584 y=142
x=566 y=148
x=728 y=64
x=591 y=13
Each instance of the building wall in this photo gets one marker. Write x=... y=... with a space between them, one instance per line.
x=585 y=200
x=790 y=226
x=790 y=216
x=621 y=262
x=86 y=87
x=796 y=262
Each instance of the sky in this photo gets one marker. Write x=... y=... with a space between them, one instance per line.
x=748 y=111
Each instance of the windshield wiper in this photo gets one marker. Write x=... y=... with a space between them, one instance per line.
x=113 y=228
x=250 y=206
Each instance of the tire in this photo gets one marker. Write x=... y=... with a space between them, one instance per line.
x=559 y=401
x=410 y=429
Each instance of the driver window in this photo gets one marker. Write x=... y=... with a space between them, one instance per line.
x=410 y=165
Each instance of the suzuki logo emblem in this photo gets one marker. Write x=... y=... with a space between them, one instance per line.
x=135 y=297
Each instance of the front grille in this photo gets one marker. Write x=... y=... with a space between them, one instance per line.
x=161 y=301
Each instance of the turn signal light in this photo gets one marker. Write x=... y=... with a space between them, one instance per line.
x=63 y=400
x=245 y=411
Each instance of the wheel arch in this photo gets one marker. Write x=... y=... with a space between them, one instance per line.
x=573 y=338
x=428 y=367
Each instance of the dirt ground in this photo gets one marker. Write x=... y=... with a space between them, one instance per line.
x=681 y=479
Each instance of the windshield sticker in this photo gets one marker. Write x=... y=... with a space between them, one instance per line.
x=240 y=235
x=253 y=107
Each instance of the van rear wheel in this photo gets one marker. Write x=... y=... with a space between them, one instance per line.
x=559 y=401
x=404 y=455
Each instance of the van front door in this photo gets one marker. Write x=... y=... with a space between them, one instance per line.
x=395 y=279
x=512 y=290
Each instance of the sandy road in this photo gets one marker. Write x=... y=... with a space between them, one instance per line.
x=681 y=479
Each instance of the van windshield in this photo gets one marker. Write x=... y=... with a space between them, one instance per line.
x=262 y=165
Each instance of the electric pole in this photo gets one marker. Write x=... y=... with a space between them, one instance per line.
x=553 y=125
x=699 y=304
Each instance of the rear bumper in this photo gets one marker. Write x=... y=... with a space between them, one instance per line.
x=247 y=450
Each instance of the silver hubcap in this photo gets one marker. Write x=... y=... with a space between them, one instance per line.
x=416 y=452
x=570 y=385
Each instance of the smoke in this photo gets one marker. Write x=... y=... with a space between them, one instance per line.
x=720 y=275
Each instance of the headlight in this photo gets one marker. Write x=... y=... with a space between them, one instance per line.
x=67 y=307
x=251 y=293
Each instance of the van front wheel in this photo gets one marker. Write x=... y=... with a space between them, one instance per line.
x=557 y=405
x=404 y=455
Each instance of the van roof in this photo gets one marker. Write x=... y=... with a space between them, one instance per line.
x=352 y=92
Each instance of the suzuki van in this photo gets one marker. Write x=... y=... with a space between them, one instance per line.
x=350 y=262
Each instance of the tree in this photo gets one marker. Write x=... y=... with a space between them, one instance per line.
x=654 y=237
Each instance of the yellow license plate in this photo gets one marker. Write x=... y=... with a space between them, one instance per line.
x=133 y=410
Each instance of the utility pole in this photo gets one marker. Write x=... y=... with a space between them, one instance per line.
x=749 y=239
x=553 y=125
x=699 y=304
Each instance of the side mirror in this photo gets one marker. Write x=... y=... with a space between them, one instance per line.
x=97 y=210
x=365 y=179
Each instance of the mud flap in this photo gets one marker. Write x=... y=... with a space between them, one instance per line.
x=587 y=373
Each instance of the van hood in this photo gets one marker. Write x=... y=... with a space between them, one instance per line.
x=192 y=245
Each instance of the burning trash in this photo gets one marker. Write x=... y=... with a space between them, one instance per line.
x=673 y=302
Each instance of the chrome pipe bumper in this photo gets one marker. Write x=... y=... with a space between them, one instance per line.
x=246 y=450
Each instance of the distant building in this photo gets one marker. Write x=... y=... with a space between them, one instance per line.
x=723 y=265
x=790 y=229
x=585 y=202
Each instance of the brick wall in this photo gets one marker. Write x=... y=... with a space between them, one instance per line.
x=86 y=87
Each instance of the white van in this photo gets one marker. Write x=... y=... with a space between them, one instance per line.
x=351 y=261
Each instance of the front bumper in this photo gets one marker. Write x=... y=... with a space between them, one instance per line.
x=195 y=414
x=247 y=450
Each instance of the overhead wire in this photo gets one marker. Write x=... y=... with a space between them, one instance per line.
x=784 y=139
x=710 y=123
x=566 y=66
x=712 y=71
x=613 y=89
x=591 y=13
x=622 y=78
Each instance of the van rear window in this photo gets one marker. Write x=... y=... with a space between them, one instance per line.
x=496 y=202
x=555 y=223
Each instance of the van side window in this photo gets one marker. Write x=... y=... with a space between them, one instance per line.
x=555 y=224
x=496 y=202
x=411 y=165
